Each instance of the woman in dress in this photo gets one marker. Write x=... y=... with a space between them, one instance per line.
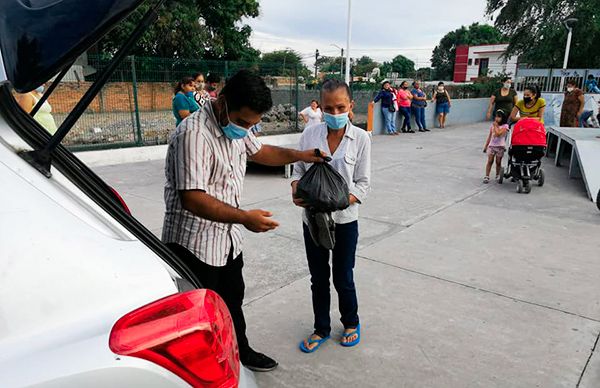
x=43 y=116
x=572 y=107
x=503 y=99
x=312 y=114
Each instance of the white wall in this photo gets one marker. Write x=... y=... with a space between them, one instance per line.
x=497 y=64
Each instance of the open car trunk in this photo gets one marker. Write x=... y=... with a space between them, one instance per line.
x=38 y=38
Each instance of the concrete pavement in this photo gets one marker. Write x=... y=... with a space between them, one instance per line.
x=460 y=284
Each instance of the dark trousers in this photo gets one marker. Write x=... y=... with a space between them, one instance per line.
x=419 y=115
x=405 y=112
x=344 y=256
x=226 y=281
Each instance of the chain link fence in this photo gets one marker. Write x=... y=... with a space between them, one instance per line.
x=134 y=107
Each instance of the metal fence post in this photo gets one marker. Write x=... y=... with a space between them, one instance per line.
x=226 y=70
x=138 y=131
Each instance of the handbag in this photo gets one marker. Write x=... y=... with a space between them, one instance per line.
x=391 y=108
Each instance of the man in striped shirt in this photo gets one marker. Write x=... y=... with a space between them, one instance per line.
x=205 y=169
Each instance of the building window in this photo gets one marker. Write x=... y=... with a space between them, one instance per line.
x=470 y=61
x=477 y=62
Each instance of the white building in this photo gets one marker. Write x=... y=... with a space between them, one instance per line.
x=483 y=60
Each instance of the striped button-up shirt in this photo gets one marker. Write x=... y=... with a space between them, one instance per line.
x=201 y=157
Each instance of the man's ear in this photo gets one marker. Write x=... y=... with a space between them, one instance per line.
x=352 y=105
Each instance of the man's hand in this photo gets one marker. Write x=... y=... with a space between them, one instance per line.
x=297 y=201
x=353 y=199
x=259 y=221
x=309 y=156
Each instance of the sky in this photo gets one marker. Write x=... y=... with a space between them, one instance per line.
x=381 y=29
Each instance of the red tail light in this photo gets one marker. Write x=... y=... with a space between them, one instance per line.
x=121 y=201
x=191 y=334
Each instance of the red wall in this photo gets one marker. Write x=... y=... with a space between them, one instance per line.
x=460 y=64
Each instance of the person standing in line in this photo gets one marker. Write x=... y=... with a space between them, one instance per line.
x=404 y=102
x=418 y=104
x=350 y=148
x=183 y=99
x=312 y=114
x=532 y=105
x=200 y=94
x=442 y=104
x=387 y=107
x=592 y=84
x=28 y=101
x=205 y=168
x=572 y=107
x=213 y=82
x=504 y=98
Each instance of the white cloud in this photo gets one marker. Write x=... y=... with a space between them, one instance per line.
x=380 y=29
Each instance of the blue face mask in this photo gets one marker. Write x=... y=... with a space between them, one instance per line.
x=40 y=89
x=233 y=131
x=336 y=121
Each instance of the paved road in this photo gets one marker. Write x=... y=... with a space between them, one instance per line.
x=460 y=284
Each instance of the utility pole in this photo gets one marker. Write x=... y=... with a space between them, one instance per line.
x=316 y=60
x=342 y=64
x=348 y=32
x=568 y=24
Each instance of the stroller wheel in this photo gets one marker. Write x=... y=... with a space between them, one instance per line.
x=501 y=176
x=527 y=187
x=541 y=178
x=520 y=186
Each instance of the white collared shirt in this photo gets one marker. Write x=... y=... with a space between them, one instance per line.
x=201 y=157
x=352 y=160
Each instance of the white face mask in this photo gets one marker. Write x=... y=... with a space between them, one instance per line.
x=570 y=89
x=507 y=85
x=440 y=89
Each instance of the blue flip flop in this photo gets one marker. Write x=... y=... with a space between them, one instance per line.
x=353 y=343
x=310 y=342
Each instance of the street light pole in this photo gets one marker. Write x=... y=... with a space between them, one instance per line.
x=348 y=32
x=567 y=24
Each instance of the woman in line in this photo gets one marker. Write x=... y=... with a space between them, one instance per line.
x=387 y=107
x=312 y=114
x=532 y=105
x=200 y=95
x=404 y=102
x=572 y=107
x=503 y=99
x=350 y=149
x=184 y=103
x=442 y=104
x=43 y=116
x=419 y=102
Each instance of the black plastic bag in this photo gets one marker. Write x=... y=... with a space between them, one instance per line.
x=323 y=189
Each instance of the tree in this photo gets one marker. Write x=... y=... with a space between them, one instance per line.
x=401 y=65
x=425 y=74
x=191 y=29
x=283 y=63
x=537 y=34
x=364 y=66
x=327 y=64
x=444 y=54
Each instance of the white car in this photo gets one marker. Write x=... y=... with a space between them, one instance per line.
x=88 y=296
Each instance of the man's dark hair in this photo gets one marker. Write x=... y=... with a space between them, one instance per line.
x=213 y=78
x=247 y=89
x=591 y=76
x=331 y=85
x=440 y=83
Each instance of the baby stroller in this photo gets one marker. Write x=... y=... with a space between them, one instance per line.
x=528 y=146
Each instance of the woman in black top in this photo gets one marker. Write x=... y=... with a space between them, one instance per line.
x=387 y=107
x=442 y=103
x=503 y=99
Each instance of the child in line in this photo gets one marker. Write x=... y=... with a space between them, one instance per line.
x=495 y=145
